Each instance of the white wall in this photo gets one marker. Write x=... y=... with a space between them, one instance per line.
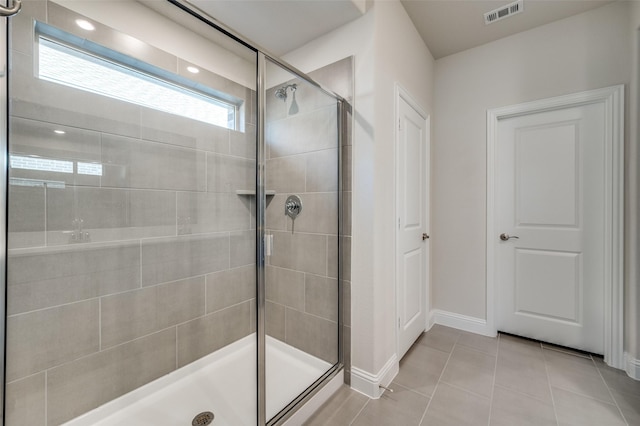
x=400 y=57
x=587 y=51
x=387 y=49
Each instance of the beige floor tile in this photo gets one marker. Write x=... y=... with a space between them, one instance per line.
x=460 y=372
x=618 y=379
x=564 y=360
x=525 y=373
x=576 y=374
x=574 y=409
x=440 y=337
x=629 y=405
x=444 y=329
x=564 y=350
x=421 y=368
x=488 y=345
x=511 y=408
x=402 y=407
x=515 y=346
x=470 y=370
x=451 y=406
x=582 y=384
x=340 y=409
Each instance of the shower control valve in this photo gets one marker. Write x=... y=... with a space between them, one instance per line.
x=293 y=206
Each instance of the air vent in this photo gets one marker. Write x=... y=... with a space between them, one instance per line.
x=503 y=12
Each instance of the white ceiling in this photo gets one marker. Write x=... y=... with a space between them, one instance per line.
x=446 y=26
x=451 y=26
x=280 y=26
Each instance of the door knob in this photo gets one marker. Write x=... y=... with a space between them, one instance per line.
x=425 y=236
x=507 y=237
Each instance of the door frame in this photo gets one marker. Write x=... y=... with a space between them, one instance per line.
x=401 y=93
x=613 y=100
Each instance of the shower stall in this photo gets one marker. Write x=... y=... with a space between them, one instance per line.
x=173 y=240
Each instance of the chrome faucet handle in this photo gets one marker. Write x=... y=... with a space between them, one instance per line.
x=293 y=206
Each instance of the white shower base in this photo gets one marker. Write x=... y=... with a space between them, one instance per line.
x=223 y=382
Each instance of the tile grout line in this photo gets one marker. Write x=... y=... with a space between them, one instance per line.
x=493 y=385
x=591 y=397
x=460 y=388
x=565 y=351
x=360 y=411
x=131 y=290
x=546 y=369
x=615 y=401
x=584 y=395
x=435 y=389
x=344 y=402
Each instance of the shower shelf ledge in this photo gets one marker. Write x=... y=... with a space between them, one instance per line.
x=269 y=192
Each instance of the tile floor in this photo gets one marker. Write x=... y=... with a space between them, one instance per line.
x=451 y=377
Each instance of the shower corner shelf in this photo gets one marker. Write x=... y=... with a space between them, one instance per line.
x=268 y=192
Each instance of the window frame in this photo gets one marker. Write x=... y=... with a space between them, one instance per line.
x=109 y=58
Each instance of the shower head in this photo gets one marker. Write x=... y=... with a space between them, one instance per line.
x=281 y=93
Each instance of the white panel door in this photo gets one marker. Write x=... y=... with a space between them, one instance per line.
x=550 y=205
x=412 y=243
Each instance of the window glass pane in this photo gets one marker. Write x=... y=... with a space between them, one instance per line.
x=62 y=64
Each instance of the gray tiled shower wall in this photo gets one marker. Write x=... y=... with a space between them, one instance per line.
x=166 y=270
x=302 y=159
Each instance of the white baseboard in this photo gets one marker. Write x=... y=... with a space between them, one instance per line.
x=369 y=384
x=462 y=322
x=431 y=319
x=632 y=366
x=307 y=410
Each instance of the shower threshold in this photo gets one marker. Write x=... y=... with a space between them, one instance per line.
x=223 y=383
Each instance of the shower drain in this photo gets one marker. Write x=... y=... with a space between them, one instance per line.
x=203 y=419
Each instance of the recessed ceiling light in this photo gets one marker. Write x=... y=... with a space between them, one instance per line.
x=85 y=25
x=59 y=132
x=193 y=70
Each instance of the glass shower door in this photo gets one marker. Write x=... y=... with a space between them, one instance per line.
x=301 y=230
x=131 y=221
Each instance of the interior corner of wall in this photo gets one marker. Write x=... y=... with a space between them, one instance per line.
x=362 y=5
x=431 y=319
x=368 y=4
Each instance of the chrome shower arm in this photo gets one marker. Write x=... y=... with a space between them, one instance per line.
x=12 y=10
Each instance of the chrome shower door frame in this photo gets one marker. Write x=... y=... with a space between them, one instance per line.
x=342 y=107
x=4 y=135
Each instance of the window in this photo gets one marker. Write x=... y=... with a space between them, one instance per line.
x=42 y=164
x=60 y=63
